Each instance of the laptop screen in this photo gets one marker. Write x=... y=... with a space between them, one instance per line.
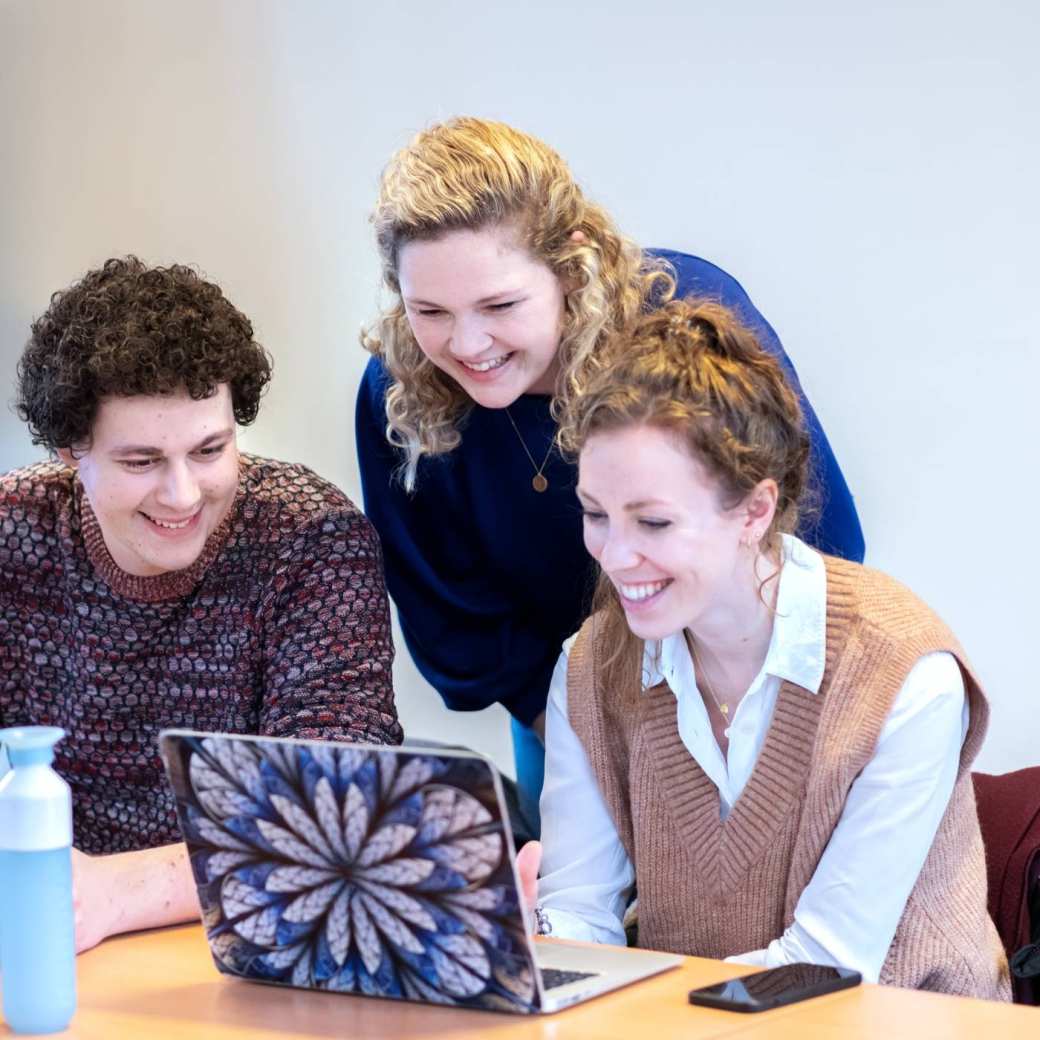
x=362 y=869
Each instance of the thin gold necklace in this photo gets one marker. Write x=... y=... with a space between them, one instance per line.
x=538 y=481
x=700 y=673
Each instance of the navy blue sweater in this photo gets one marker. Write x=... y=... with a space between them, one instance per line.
x=488 y=575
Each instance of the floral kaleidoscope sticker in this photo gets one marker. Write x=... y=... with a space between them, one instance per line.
x=341 y=868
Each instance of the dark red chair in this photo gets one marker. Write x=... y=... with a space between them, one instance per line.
x=1009 y=815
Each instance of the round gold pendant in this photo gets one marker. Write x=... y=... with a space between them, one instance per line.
x=539 y=483
x=724 y=708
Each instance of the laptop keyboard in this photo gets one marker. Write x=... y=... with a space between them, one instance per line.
x=553 y=977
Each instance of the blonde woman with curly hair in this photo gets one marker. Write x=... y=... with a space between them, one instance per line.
x=773 y=745
x=504 y=284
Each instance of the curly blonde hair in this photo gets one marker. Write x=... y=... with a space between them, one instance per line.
x=694 y=369
x=471 y=174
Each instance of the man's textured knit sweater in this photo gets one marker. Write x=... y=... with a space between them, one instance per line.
x=716 y=888
x=281 y=627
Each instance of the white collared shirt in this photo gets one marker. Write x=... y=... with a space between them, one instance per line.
x=849 y=911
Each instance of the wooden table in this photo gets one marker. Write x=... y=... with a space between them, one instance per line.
x=162 y=984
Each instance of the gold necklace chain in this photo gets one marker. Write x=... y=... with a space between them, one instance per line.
x=538 y=481
x=701 y=674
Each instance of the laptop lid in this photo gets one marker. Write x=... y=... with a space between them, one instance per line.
x=357 y=868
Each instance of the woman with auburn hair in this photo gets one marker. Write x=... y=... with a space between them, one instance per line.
x=771 y=744
x=505 y=283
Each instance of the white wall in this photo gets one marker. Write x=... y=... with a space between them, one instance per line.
x=867 y=171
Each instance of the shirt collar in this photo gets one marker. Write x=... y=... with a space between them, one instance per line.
x=797 y=646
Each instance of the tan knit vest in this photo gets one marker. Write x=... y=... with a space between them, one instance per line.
x=714 y=888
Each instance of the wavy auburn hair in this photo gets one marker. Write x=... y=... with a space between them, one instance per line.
x=693 y=369
x=470 y=174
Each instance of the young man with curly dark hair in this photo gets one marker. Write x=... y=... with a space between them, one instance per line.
x=154 y=576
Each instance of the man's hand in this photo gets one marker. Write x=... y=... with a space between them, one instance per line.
x=528 y=860
x=129 y=891
x=91 y=899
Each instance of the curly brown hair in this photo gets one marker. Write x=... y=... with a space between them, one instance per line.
x=693 y=368
x=126 y=329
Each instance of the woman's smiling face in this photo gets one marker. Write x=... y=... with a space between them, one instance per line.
x=484 y=311
x=657 y=524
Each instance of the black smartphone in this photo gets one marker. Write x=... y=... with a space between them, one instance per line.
x=775 y=987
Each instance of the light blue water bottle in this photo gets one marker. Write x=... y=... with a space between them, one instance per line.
x=37 y=929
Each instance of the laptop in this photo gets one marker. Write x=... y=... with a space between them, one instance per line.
x=382 y=871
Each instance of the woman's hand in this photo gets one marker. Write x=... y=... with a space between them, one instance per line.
x=538 y=725
x=528 y=860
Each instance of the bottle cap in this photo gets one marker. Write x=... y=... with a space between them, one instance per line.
x=31 y=745
x=35 y=802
